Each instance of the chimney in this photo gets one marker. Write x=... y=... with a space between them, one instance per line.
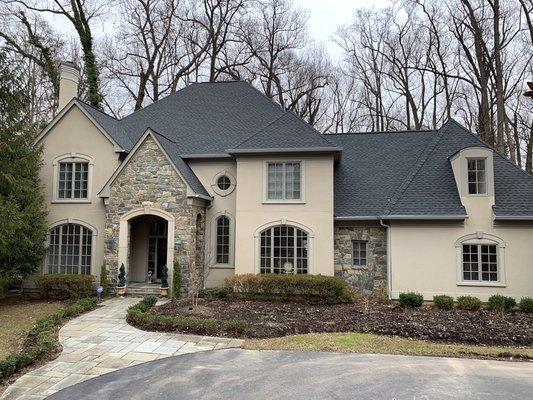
x=69 y=76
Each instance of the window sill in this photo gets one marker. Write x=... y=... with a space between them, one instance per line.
x=487 y=284
x=73 y=201
x=283 y=201
x=222 y=266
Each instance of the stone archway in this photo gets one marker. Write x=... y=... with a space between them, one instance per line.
x=125 y=236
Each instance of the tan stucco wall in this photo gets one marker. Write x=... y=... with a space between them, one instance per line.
x=206 y=171
x=76 y=133
x=316 y=214
x=424 y=255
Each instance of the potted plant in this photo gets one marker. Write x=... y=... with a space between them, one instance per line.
x=121 y=287
x=164 y=282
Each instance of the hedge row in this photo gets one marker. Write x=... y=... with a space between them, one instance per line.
x=65 y=286
x=44 y=338
x=311 y=288
x=140 y=316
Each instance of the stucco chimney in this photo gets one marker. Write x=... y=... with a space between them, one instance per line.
x=69 y=76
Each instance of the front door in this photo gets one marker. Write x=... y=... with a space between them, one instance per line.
x=157 y=248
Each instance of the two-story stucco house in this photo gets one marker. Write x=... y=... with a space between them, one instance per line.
x=216 y=175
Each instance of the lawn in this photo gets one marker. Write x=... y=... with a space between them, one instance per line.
x=17 y=317
x=376 y=344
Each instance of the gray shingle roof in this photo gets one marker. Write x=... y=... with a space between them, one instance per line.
x=409 y=174
x=380 y=174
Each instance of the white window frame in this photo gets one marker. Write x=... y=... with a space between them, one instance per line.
x=481 y=238
x=72 y=158
x=485 y=171
x=284 y=222
x=217 y=190
x=301 y=200
x=94 y=234
x=212 y=258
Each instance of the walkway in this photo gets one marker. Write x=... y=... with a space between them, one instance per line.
x=101 y=341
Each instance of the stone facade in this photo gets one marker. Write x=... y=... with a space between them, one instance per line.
x=150 y=177
x=372 y=276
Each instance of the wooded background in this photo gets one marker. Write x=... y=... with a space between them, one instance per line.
x=411 y=65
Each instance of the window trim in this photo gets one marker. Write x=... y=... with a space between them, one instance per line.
x=284 y=222
x=46 y=269
x=301 y=200
x=486 y=193
x=72 y=158
x=360 y=266
x=481 y=238
x=217 y=190
x=213 y=245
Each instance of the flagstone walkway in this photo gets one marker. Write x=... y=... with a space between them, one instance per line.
x=101 y=341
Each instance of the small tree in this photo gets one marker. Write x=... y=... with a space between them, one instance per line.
x=122 y=276
x=104 y=279
x=23 y=218
x=176 y=283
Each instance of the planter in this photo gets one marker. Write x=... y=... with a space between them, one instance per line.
x=121 y=291
x=163 y=291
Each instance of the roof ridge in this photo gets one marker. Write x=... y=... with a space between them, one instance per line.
x=417 y=167
x=261 y=129
x=377 y=132
x=96 y=109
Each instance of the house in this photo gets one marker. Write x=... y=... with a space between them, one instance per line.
x=216 y=175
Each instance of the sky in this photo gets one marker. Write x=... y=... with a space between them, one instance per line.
x=325 y=17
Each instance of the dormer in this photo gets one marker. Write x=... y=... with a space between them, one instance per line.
x=473 y=169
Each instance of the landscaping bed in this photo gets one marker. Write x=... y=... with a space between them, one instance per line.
x=267 y=319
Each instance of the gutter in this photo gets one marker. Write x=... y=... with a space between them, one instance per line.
x=389 y=258
x=201 y=196
x=513 y=218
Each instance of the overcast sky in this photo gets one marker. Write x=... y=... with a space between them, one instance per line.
x=325 y=17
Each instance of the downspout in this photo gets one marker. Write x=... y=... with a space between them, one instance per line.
x=389 y=258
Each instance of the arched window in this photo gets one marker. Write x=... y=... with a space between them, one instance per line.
x=284 y=250
x=223 y=237
x=70 y=249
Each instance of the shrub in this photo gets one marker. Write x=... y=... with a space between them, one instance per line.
x=176 y=284
x=104 y=279
x=468 y=303
x=526 y=304
x=501 y=303
x=411 y=300
x=219 y=293
x=164 y=277
x=45 y=338
x=63 y=287
x=443 y=302
x=122 y=276
x=311 y=288
x=139 y=315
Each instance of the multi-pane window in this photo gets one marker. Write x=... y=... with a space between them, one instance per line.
x=284 y=181
x=70 y=250
x=477 y=177
x=73 y=180
x=223 y=240
x=359 y=253
x=283 y=250
x=480 y=262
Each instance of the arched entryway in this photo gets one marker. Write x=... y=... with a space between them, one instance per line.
x=146 y=244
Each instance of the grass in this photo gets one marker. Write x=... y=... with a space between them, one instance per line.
x=17 y=317
x=376 y=344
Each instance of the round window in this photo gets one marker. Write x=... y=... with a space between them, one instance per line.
x=224 y=182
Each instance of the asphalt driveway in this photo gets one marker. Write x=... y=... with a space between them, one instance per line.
x=242 y=374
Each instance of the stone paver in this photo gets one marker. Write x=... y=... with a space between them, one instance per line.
x=100 y=342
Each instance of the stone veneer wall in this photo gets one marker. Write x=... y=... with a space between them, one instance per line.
x=367 y=278
x=149 y=177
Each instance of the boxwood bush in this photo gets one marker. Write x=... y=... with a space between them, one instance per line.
x=64 y=286
x=411 y=300
x=443 y=302
x=526 y=304
x=469 y=303
x=140 y=316
x=501 y=303
x=310 y=288
x=43 y=338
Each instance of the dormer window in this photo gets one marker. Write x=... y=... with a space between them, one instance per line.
x=477 y=176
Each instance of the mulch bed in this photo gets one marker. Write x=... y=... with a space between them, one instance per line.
x=272 y=319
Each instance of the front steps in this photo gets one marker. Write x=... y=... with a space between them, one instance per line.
x=141 y=289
